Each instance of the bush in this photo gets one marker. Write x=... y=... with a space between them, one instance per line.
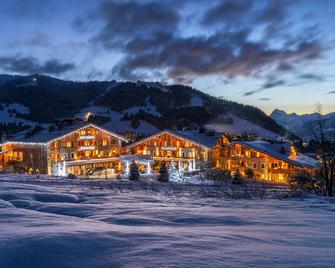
x=237 y=178
x=249 y=173
x=303 y=181
x=134 y=174
x=219 y=175
x=163 y=173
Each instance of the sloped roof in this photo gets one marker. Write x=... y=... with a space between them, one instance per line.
x=46 y=136
x=274 y=150
x=201 y=139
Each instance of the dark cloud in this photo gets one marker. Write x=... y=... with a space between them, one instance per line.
x=95 y=74
x=30 y=65
x=271 y=82
x=284 y=66
x=311 y=76
x=126 y=19
x=264 y=99
x=39 y=39
x=148 y=34
x=239 y=13
x=331 y=92
x=227 y=12
x=223 y=53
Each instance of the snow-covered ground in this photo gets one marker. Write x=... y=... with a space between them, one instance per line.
x=240 y=125
x=54 y=222
x=116 y=124
x=8 y=114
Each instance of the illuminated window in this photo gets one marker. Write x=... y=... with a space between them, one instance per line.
x=64 y=156
x=68 y=144
x=18 y=156
x=104 y=142
x=56 y=144
x=82 y=132
x=274 y=165
x=87 y=153
x=72 y=156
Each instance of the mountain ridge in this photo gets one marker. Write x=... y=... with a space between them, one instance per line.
x=304 y=125
x=49 y=99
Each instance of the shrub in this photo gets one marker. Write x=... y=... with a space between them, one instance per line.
x=163 y=173
x=134 y=174
x=249 y=173
x=304 y=182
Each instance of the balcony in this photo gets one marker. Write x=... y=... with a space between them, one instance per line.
x=86 y=148
x=87 y=137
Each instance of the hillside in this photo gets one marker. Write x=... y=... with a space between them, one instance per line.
x=142 y=106
x=305 y=125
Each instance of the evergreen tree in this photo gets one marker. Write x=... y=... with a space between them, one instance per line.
x=134 y=174
x=249 y=173
x=237 y=178
x=174 y=174
x=163 y=172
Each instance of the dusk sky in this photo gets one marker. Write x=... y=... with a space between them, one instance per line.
x=271 y=54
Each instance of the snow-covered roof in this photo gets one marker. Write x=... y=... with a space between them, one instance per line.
x=275 y=150
x=46 y=136
x=201 y=139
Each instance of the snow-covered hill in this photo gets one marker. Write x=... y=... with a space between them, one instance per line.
x=305 y=125
x=143 y=107
x=233 y=125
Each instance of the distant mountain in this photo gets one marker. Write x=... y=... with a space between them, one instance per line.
x=304 y=125
x=125 y=106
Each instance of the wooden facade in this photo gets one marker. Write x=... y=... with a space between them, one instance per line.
x=91 y=147
x=75 y=152
x=172 y=147
x=270 y=165
x=24 y=157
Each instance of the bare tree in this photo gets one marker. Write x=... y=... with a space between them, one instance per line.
x=326 y=156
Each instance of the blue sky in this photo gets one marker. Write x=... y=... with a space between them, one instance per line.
x=271 y=54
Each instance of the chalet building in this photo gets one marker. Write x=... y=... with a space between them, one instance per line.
x=185 y=149
x=72 y=149
x=269 y=161
x=81 y=148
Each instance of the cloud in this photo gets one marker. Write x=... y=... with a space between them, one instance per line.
x=310 y=76
x=149 y=37
x=264 y=99
x=30 y=65
x=223 y=53
x=284 y=66
x=39 y=39
x=331 y=92
x=271 y=82
x=126 y=19
x=226 y=12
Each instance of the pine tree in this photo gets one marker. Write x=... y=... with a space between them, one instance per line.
x=237 y=178
x=164 y=175
x=249 y=173
x=174 y=174
x=134 y=174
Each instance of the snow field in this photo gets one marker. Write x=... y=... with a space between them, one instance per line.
x=57 y=222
